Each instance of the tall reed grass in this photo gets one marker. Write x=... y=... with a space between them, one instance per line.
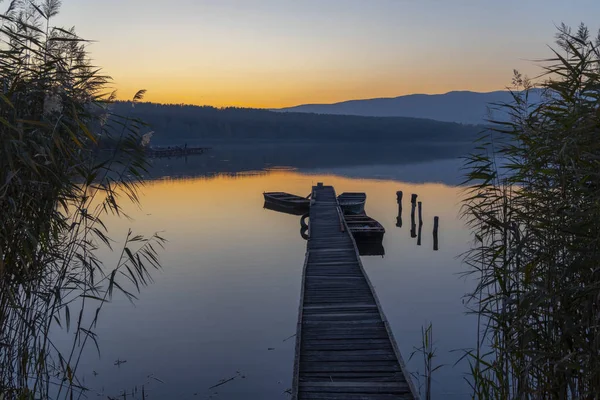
x=534 y=208
x=55 y=188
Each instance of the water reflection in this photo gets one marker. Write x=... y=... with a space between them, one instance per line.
x=415 y=163
x=230 y=287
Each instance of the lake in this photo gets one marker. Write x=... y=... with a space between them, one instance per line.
x=225 y=303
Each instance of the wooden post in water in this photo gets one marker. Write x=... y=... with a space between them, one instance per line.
x=420 y=223
x=436 y=222
x=413 y=225
x=399 y=200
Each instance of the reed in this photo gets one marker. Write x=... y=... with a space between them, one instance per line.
x=534 y=206
x=427 y=352
x=55 y=188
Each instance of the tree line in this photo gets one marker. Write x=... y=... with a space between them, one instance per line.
x=176 y=124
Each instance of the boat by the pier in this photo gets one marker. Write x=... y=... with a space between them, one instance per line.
x=370 y=248
x=286 y=210
x=286 y=201
x=365 y=228
x=352 y=203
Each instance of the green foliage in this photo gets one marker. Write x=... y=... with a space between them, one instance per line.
x=54 y=189
x=534 y=207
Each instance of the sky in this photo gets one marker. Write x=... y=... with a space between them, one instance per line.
x=278 y=53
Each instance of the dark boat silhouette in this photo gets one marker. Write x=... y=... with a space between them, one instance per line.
x=370 y=248
x=364 y=228
x=352 y=203
x=285 y=210
x=280 y=201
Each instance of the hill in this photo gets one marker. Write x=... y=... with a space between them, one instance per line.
x=462 y=106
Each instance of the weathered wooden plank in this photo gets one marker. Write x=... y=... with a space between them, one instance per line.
x=344 y=345
x=353 y=376
x=362 y=299
x=354 y=387
x=334 y=282
x=344 y=323
x=349 y=358
x=356 y=343
x=337 y=314
x=341 y=366
x=376 y=334
x=352 y=396
x=346 y=352
x=349 y=305
x=338 y=294
x=342 y=316
x=343 y=294
x=339 y=289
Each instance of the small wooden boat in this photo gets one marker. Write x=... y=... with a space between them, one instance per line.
x=282 y=200
x=281 y=209
x=370 y=248
x=352 y=203
x=364 y=228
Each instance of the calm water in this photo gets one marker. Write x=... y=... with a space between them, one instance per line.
x=228 y=295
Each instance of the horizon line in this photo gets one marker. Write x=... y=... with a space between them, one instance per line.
x=315 y=104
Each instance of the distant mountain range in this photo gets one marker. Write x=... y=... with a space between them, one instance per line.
x=463 y=106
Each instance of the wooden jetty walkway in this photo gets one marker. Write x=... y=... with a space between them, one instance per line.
x=344 y=345
x=176 y=151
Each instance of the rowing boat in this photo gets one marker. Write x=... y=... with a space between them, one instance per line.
x=352 y=203
x=286 y=201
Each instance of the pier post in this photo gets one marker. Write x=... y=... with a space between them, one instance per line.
x=413 y=225
x=420 y=222
x=436 y=221
x=399 y=200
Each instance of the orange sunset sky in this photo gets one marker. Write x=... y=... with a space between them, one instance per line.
x=282 y=53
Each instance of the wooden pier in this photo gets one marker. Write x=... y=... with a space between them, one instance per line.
x=176 y=151
x=344 y=345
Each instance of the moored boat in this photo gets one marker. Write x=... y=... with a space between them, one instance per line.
x=370 y=248
x=282 y=200
x=364 y=228
x=352 y=203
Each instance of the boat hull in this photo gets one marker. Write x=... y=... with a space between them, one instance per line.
x=353 y=208
x=352 y=203
x=370 y=248
x=295 y=210
x=365 y=229
x=286 y=202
